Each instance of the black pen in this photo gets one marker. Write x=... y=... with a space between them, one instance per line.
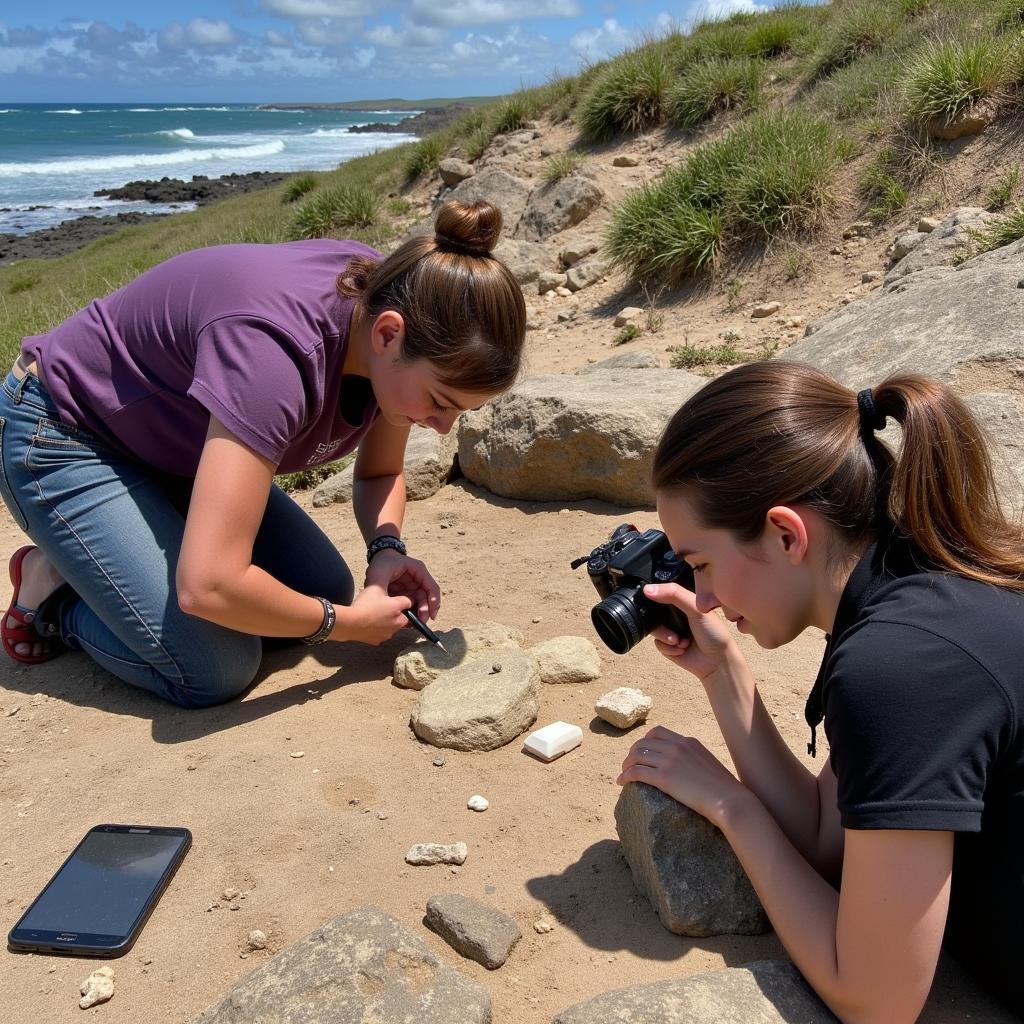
x=424 y=629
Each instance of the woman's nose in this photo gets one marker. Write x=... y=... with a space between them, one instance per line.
x=706 y=600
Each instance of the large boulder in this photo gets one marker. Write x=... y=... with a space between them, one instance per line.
x=763 y=992
x=685 y=866
x=362 y=966
x=509 y=193
x=958 y=324
x=526 y=260
x=558 y=206
x=561 y=437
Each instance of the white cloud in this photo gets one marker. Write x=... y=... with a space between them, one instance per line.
x=598 y=43
x=278 y=39
x=320 y=8
x=413 y=36
x=198 y=32
x=489 y=12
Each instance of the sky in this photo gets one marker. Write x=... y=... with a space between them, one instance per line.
x=316 y=50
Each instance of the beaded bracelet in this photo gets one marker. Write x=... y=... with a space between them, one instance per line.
x=326 y=627
x=382 y=543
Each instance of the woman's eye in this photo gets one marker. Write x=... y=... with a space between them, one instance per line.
x=440 y=407
x=699 y=568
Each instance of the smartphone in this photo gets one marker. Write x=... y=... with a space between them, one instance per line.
x=103 y=893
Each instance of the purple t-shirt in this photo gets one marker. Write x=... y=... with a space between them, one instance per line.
x=252 y=334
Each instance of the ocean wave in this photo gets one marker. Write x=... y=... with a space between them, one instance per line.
x=142 y=110
x=194 y=108
x=179 y=133
x=129 y=160
x=71 y=111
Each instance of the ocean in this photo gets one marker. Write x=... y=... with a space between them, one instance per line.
x=53 y=156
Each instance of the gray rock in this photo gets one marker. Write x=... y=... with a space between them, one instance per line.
x=685 y=866
x=429 y=460
x=428 y=854
x=419 y=665
x=763 y=992
x=506 y=191
x=478 y=932
x=560 y=437
x=526 y=260
x=927 y=225
x=549 y=281
x=587 y=272
x=637 y=359
x=567 y=659
x=558 y=206
x=959 y=325
x=920 y=250
x=475 y=708
x=362 y=966
x=578 y=249
x=454 y=172
x=628 y=315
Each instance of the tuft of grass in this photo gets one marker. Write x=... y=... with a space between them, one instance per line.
x=628 y=333
x=880 y=185
x=856 y=31
x=1010 y=15
x=298 y=187
x=1000 y=194
x=771 y=175
x=912 y=8
x=997 y=233
x=344 y=206
x=424 y=156
x=514 y=112
x=560 y=166
x=23 y=282
x=711 y=86
x=628 y=97
x=687 y=357
x=950 y=77
x=796 y=262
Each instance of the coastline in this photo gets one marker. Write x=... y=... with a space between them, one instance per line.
x=75 y=233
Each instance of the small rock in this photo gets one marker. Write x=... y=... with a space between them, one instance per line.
x=229 y=894
x=623 y=707
x=97 y=988
x=256 y=940
x=543 y=925
x=564 y=292
x=628 y=315
x=859 y=229
x=478 y=803
x=870 y=276
x=926 y=225
x=626 y=160
x=438 y=762
x=765 y=309
x=297 y=753
x=437 y=853
x=381 y=816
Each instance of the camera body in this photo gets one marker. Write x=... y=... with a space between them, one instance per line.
x=619 y=568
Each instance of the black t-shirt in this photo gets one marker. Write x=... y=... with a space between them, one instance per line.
x=922 y=689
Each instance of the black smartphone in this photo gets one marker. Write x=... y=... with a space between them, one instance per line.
x=103 y=893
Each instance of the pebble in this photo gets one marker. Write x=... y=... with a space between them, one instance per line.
x=256 y=940
x=478 y=803
x=229 y=894
x=438 y=762
x=766 y=309
x=542 y=926
x=297 y=753
x=97 y=988
x=381 y=816
x=535 y=619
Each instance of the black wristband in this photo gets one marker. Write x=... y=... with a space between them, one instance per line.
x=383 y=543
x=324 y=632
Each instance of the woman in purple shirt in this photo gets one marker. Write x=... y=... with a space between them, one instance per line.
x=141 y=437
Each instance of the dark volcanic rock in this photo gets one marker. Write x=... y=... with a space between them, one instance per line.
x=66 y=237
x=199 y=190
x=422 y=124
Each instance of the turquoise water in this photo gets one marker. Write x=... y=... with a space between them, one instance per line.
x=53 y=156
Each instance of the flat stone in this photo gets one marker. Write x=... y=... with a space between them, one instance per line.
x=420 y=664
x=765 y=309
x=478 y=932
x=567 y=659
x=428 y=854
x=623 y=707
x=628 y=315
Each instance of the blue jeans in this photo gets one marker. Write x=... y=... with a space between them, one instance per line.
x=113 y=527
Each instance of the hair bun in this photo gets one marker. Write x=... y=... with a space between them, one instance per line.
x=472 y=229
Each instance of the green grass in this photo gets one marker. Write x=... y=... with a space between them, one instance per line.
x=857 y=30
x=628 y=97
x=1009 y=15
x=424 y=156
x=997 y=233
x=344 y=206
x=298 y=187
x=881 y=185
x=711 y=86
x=771 y=175
x=560 y=166
x=688 y=357
x=948 y=78
x=303 y=479
x=628 y=333
x=1000 y=194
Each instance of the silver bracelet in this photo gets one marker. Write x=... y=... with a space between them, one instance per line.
x=324 y=632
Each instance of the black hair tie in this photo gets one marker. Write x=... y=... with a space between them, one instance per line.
x=870 y=418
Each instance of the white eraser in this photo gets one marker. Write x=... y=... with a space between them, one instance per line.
x=553 y=740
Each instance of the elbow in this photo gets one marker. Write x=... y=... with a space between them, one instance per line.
x=197 y=596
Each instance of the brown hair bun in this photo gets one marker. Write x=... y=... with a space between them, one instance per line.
x=472 y=229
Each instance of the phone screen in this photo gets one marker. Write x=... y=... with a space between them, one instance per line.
x=108 y=883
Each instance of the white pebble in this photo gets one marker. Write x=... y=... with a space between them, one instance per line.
x=97 y=988
x=478 y=803
x=542 y=926
x=298 y=753
x=257 y=940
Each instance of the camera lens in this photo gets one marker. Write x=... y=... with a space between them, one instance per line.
x=623 y=618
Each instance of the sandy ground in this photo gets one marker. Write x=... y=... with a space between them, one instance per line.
x=314 y=836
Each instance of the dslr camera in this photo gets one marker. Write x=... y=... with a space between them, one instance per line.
x=619 y=569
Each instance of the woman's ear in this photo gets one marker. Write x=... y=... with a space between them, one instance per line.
x=786 y=531
x=387 y=334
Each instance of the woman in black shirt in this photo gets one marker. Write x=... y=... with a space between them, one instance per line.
x=773 y=485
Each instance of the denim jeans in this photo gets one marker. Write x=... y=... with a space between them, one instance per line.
x=113 y=527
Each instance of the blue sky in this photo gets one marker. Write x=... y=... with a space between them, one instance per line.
x=315 y=50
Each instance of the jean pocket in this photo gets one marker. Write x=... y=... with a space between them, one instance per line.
x=57 y=435
x=6 y=490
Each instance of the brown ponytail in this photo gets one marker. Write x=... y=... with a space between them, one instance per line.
x=463 y=309
x=782 y=433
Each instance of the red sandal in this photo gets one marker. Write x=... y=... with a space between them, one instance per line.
x=23 y=631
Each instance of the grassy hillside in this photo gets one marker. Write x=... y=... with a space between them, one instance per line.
x=786 y=116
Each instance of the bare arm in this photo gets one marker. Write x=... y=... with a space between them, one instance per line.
x=215 y=577
x=378 y=488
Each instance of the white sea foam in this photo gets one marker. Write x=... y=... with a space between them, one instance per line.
x=180 y=133
x=142 y=110
x=71 y=111
x=129 y=160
